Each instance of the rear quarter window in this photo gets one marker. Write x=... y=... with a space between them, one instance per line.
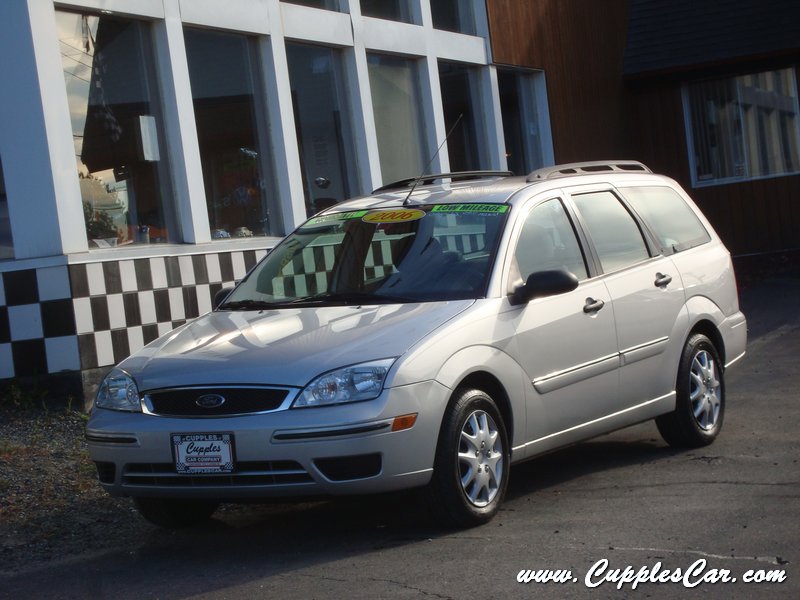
x=672 y=220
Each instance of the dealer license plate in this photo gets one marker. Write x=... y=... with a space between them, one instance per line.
x=203 y=452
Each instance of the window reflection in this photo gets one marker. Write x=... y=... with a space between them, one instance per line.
x=222 y=73
x=395 y=10
x=454 y=15
x=460 y=100
x=117 y=129
x=398 y=122
x=521 y=126
x=326 y=4
x=323 y=124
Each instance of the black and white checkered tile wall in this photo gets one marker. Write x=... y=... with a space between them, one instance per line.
x=83 y=316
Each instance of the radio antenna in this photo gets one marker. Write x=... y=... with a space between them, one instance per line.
x=430 y=162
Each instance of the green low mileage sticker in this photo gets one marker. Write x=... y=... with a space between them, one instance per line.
x=471 y=208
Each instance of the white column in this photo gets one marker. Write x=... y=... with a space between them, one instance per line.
x=181 y=130
x=278 y=93
x=41 y=176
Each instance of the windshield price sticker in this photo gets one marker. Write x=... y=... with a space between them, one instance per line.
x=484 y=209
x=345 y=216
x=203 y=452
x=399 y=215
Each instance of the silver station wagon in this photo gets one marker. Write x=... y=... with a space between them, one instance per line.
x=429 y=336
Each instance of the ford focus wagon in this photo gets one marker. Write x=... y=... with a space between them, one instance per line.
x=429 y=336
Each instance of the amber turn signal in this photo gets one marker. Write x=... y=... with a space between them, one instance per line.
x=404 y=422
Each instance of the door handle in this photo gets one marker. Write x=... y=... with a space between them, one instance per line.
x=592 y=305
x=662 y=280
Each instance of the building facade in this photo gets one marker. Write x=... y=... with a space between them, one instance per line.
x=152 y=151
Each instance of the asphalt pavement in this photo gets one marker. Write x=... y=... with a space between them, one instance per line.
x=595 y=516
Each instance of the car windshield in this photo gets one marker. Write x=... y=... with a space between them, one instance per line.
x=406 y=254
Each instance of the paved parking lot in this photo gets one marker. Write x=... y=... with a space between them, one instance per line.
x=731 y=510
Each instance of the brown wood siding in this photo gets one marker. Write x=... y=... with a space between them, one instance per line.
x=596 y=114
x=580 y=46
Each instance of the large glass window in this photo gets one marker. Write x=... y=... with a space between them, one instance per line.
x=615 y=234
x=743 y=127
x=223 y=74
x=460 y=100
x=454 y=15
x=323 y=124
x=395 y=10
x=522 y=125
x=398 y=121
x=117 y=129
x=6 y=241
x=326 y=4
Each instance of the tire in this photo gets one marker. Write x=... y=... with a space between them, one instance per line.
x=471 y=467
x=172 y=513
x=700 y=402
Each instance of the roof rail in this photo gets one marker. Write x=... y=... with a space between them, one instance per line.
x=586 y=168
x=428 y=179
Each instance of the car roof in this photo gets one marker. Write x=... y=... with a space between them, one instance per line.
x=494 y=187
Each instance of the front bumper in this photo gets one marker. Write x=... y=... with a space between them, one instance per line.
x=348 y=449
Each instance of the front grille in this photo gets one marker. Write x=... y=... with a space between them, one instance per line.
x=236 y=401
x=262 y=473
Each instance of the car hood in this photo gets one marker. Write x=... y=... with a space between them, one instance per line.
x=283 y=347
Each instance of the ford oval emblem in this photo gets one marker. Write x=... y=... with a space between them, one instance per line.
x=210 y=401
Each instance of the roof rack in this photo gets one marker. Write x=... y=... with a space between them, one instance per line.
x=428 y=179
x=586 y=168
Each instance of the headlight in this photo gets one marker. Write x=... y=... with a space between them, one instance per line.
x=350 y=384
x=118 y=391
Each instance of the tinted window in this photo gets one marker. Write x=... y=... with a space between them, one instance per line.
x=674 y=223
x=548 y=242
x=616 y=236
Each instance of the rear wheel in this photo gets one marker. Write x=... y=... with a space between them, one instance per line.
x=174 y=513
x=700 y=402
x=472 y=461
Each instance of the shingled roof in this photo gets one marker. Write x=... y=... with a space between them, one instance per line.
x=668 y=35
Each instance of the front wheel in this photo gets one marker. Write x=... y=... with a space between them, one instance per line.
x=173 y=513
x=700 y=402
x=471 y=467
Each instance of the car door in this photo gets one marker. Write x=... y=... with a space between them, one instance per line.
x=646 y=292
x=566 y=343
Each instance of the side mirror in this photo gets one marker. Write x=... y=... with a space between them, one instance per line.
x=220 y=296
x=543 y=284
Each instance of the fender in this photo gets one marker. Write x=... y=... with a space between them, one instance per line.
x=495 y=362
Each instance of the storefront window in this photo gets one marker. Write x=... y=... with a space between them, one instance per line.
x=230 y=123
x=117 y=129
x=326 y=4
x=6 y=242
x=398 y=120
x=394 y=10
x=323 y=124
x=521 y=122
x=461 y=104
x=454 y=15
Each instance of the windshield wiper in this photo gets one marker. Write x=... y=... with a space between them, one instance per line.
x=249 y=305
x=352 y=298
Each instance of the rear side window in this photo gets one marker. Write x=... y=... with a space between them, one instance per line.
x=675 y=224
x=616 y=236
